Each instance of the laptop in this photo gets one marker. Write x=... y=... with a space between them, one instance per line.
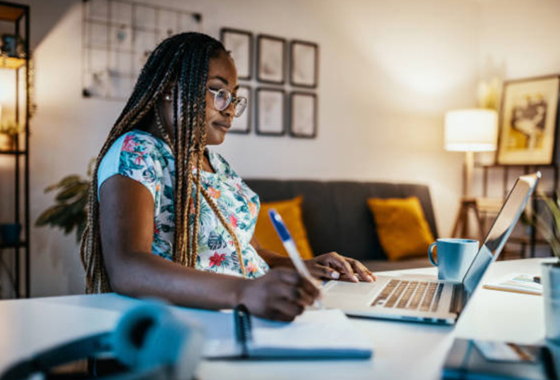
x=416 y=299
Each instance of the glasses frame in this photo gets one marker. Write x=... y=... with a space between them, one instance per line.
x=231 y=99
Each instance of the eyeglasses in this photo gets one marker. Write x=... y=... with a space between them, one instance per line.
x=223 y=98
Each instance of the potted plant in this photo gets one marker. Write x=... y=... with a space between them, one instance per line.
x=549 y=228
x=69 y=212
x=8 y=131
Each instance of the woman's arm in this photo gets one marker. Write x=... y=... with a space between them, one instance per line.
x=329 y=266
x=127 y=222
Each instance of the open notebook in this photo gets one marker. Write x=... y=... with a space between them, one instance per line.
x=315 y=334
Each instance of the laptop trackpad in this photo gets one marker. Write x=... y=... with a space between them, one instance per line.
x=351 y=288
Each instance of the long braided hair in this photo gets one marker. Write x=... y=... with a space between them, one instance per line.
x=182 y=60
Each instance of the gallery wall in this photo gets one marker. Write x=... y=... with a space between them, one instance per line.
x=388 y=73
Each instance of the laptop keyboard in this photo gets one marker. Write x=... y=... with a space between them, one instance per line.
x=411 y=295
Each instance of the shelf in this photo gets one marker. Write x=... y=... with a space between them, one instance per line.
x=21 y=244
x=11 y=13
x=12 y=152
x=11 y=63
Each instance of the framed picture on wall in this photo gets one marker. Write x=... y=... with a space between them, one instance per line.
x=240 y=44
x=270 y=59
x=242 y=124
x=269 y=110
x=304 y=64
x=528 y=121
x=303 y=115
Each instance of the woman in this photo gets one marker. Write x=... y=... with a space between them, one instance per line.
x=167 y=218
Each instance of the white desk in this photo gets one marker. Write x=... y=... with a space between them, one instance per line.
x=402 y=350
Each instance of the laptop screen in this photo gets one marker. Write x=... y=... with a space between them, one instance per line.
x=501 y=229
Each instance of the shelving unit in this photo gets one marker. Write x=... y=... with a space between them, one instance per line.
x=18 y=15
x=531 y=239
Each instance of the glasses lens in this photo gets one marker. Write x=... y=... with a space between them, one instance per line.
x=240 y=106
x=222 y=99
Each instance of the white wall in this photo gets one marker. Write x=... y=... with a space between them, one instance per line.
x=388 y=72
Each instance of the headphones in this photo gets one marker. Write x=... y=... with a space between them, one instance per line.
x=148 y=340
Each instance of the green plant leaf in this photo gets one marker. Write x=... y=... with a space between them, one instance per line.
x=49 y=215
x=73 y=190
x=66 y=181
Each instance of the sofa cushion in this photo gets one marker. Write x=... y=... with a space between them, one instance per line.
x=290 y=211
x=401 y=227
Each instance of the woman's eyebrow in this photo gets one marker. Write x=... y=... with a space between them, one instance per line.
x=224 y=80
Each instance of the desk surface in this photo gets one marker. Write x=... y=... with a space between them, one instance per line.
x=401 y=350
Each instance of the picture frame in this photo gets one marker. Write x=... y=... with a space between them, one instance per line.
x=270 y=112
x=240 y=44
x=528 y=121
x=242 y=124
x=304 y=64
x=303 y=115
x=271 y=53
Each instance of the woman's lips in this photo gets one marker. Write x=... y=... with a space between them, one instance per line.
x=223 y=126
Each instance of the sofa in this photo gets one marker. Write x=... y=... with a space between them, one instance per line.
x=337 y=218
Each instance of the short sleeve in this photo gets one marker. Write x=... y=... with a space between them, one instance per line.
x=133 y=156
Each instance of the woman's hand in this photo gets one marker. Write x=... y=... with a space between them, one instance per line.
x=281 y=294
x=332 y=266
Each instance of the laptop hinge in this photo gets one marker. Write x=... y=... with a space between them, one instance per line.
x=458 y=298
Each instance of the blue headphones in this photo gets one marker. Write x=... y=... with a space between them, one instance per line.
x=148 y=341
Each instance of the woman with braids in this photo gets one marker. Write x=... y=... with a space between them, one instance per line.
x=170 y=219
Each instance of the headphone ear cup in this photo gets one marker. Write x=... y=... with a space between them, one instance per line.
x=175 y=343
x=134 y=332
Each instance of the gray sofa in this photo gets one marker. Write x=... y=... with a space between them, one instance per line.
x=337 y=218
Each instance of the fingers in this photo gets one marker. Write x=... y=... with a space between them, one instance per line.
x=324 y=273
x=339 y=262
x=364 y=273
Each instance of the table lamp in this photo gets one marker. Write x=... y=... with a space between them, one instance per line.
x=469 y=131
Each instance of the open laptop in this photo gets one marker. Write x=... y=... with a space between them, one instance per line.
x=409 y=298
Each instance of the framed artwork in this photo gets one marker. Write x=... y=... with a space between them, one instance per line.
x=528 y=121
x=240 y=44
x=304 y=64
x=303 y=115
x=270 y=59
x=269 y=110
x=242 y=124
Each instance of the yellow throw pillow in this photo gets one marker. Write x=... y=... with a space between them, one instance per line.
x=290 y=211
x=401 y=226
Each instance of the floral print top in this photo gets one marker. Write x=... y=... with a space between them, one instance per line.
x=148 y=160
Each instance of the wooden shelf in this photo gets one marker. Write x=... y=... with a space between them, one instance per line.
x=12 y=152
x=11 y=63
x=21 y=244
x=11 y=13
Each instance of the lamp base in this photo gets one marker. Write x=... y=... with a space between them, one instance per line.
x=461 y=225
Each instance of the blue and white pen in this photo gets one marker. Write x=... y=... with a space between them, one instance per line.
x=291 y=248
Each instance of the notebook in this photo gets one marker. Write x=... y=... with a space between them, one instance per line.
x=517 y=283
x=316 y=334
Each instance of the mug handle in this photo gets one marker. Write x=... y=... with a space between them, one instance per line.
x=431 y=252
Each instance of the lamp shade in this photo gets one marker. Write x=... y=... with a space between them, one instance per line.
x=473 y=130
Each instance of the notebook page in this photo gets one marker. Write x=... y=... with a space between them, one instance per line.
x=314 y=333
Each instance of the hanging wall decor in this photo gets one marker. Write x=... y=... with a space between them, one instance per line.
x=242 y=124
x=303 y=114
x=269 y=110
x=304 y=64
x=240 y=45
x=271 y=59
x=118 y=37
x=529 y=121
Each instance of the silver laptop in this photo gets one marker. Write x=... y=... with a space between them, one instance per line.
x=409 y=298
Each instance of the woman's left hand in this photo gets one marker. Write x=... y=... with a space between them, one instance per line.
x=332 y=266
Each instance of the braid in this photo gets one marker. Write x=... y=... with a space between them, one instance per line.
x=181 y=59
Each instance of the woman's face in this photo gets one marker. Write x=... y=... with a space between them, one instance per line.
x=222 y=74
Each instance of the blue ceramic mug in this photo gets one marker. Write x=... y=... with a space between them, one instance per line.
x=454 y=257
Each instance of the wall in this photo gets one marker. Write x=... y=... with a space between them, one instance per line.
x=388 y=72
